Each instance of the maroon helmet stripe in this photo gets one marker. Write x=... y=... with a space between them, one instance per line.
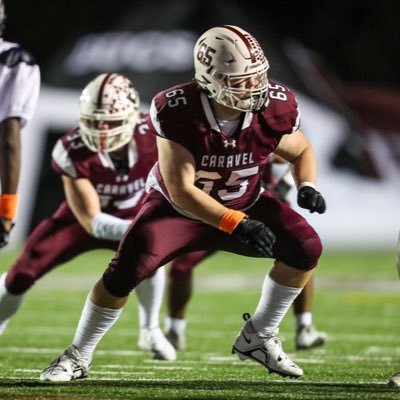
x=244 y=39
x=103 y=84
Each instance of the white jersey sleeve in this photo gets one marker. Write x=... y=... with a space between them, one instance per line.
x=19 y=82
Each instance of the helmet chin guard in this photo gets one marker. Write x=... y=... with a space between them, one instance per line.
x=231 y=68
x=109 y=110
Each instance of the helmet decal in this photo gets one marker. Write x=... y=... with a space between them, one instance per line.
x=231 y=68
x=109 y=110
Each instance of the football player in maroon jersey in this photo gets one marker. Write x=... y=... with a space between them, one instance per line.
x=214 y=137
x=103 y=165
x=179 y=282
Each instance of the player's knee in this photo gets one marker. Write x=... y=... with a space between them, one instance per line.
x=121 y=278
x=180 y=274
x=304 y=255
x=118 y=289
x=312 y=252
x=181 y=267
x=19 y=282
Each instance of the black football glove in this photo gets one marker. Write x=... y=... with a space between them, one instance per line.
x=4 y=235
x=256 y=235
x=309 y=198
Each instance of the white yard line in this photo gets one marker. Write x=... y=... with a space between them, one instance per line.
x=213 y=358
x=229 y=283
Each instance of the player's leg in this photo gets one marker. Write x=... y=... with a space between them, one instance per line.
x=54 y=241
x=157 y=235
x=297 y=251
x=150 y=295
x=179 y=292
x=100 y=312
x=307 y=336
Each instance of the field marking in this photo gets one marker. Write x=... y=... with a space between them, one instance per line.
x=379 y=349
x=15 y=349
x=213 y=358
x=157 y=367
x=93 y=372
x=229 y=283
x=126 y=332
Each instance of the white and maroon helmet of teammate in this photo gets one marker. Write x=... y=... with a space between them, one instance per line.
x=109 y=111
x=230 y=67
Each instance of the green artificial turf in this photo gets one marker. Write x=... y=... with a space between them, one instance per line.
x=356 y=301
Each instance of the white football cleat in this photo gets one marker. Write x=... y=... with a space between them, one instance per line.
x=307 y=337
x=394 y=380
x=178 y=341
x=266 y=350
x=155 y=341
x=67 y=367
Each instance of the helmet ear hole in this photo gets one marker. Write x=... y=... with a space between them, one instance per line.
x=227 y=53
x=109 y=110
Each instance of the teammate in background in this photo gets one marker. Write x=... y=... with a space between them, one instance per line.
x=103 y=165
x=179 y=282
x=214 y=137
x=19 y=91
x=394 y=380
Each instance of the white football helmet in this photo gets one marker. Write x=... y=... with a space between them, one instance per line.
x=230 y=67
x=109 y=110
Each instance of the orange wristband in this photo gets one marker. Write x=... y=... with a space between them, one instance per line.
x=230 y=220
x=8 y=206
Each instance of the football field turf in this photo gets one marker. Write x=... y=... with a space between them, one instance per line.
x=357 y=302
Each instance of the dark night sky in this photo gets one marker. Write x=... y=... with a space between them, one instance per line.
x=358 y=39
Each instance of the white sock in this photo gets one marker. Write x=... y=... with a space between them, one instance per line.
x=304 y=319
x=150 y=294
x=175 y=324
x=94 y=323
x=274 y=303
x=9 y=303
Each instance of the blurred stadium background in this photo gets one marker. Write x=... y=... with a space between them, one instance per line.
x=338 y=57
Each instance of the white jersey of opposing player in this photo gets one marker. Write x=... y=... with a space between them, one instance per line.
x=19 y=82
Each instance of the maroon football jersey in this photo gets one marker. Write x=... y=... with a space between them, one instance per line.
x=228 y=168
x=117 y=190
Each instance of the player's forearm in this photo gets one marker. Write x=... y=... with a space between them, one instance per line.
x=305 y=168
x=103 y=226
x=10 y=162
x=106 y=226
x=199 y=204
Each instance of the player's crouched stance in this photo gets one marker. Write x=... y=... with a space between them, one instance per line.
x=214 y=136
